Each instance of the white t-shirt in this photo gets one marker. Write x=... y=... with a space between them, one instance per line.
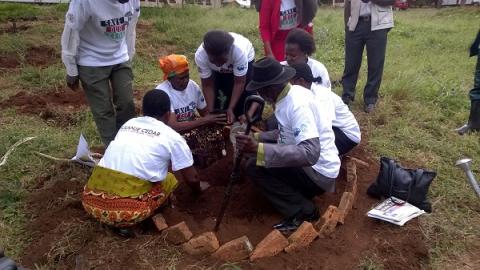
x=318 y=70
x=241 y=53
x=288 y=15
x=344 y=118
x=184 y=103
x=102 y=26
x=144 y=147
x=302 y=116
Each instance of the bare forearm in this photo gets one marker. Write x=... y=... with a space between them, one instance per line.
x=208 y=93
x=187 y=125
x=238 y=88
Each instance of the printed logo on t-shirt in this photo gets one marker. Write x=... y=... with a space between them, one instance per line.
x=229 y=69
x=186 y=113
x=288 y=19
x=139 y=130
x=116 y=28
x=299 y=130
x=241 y=68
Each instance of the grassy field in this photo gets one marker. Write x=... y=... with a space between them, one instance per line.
x=424 y=97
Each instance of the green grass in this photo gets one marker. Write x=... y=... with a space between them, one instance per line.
x=424 y=96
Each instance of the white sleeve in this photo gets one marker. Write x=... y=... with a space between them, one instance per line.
x=201 y=60
x=201 y=103
x=180 y=154
x=132 y=32
x=75 y=19
x=240 y=62
x=70 y=42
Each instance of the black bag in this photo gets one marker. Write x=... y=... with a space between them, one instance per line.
x=409 y=185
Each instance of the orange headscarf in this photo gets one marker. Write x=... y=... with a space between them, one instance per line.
x=172 y=65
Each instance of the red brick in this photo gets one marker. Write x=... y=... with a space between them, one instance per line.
x=235 y=250
x=177 y=234
x=271 y=245
x=205 y=243
x=160 y=222
x=346 y=204
x=302 y=237
x=328 y=222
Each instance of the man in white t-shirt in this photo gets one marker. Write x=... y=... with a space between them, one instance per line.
x=294 y=163
x=344 y=124
x=224 y=63
x=132 y=180
x=98 y=44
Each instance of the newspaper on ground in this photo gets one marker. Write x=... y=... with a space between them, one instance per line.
x=83 y=155
x=392 y=211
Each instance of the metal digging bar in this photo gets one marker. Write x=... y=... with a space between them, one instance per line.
x=238 y=159
x=465 y=164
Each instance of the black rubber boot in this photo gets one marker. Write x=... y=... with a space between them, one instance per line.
x=473 y=124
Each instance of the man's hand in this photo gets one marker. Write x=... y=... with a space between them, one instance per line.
x=72 y=82
x=230 y=116
x=246 y=144
x=220 y=119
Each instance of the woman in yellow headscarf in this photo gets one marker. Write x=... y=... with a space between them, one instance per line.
x=202 y=130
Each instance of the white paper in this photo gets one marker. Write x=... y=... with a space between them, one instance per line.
x=395 y=213
x=83 y=155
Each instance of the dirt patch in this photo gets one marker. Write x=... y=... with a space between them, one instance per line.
x=60 y=108
x=57 y=214
x=41 y=56
x=13 y=28
x=8 y=61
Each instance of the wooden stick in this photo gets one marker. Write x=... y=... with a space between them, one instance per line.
x=3 y=161
x=53 y=158
x=359 y=161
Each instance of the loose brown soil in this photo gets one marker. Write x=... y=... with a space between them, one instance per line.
x=41 y=56
x=61 y=108
x=64 y=236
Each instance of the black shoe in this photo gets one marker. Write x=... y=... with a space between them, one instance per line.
x=369 y=108
x=473 y=124
x=291 y=224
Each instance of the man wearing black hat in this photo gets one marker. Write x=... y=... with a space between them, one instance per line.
x=289 y=167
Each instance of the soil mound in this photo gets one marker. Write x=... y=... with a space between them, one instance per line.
x=64 y=236
x=59 y=108
x=41 y=56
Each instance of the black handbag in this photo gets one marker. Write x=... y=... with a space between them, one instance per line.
x=410 y=185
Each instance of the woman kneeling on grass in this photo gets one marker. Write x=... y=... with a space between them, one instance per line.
x=189 y=114
x=132 y=180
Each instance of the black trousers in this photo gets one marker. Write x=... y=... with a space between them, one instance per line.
x=376 y=43
x=224 y=89
x=289 y=190
x=343 y=143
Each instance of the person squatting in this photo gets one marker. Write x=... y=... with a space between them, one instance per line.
x=182 y=125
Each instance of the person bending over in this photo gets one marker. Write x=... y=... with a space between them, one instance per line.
x=224 y=63
x=294 y=163
x=204 y=133
x=132 y=180
x=344 y=125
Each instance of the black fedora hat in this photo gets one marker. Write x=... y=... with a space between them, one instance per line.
x=268 y=71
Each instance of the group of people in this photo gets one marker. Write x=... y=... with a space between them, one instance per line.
x=293 y=160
